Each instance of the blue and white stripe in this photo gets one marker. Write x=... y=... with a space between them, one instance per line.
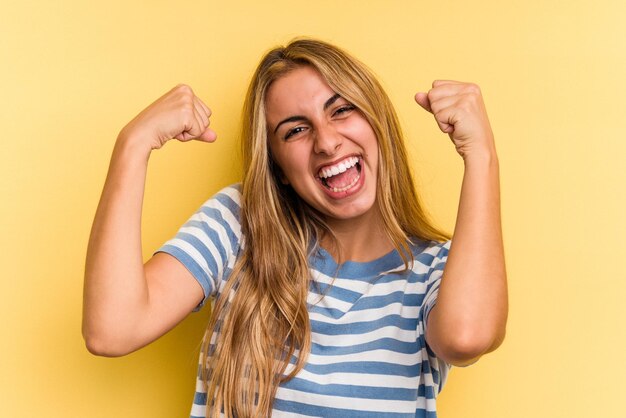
x=369 y=356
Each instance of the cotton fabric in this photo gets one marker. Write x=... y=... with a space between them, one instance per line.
x=369 y=356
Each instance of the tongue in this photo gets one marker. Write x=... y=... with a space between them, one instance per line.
x=343 y=179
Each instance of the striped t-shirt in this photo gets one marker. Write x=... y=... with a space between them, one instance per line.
x=368 y=356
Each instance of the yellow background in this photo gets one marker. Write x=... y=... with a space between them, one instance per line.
x=72 y=73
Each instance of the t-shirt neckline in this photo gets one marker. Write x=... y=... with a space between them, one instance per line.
x=324 y=262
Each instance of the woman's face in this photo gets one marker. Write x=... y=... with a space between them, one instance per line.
x=325 y=147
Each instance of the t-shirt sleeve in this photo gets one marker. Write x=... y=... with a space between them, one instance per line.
x=440 y=256
x=439 y=252
x=209 y=242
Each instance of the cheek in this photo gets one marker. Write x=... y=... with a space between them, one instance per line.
x=293 y=161
x=294 y=172
x=362 y=132
x=287 y=168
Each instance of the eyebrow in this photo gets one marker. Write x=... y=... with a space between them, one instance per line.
x=332 y=100
x=298 y=118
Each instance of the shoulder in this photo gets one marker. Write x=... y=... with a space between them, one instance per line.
x=229 y=197
x=224 y=204
x=218 y=219
x=429 y=252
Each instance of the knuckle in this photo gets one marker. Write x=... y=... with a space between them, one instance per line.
x=186 y=113
x=186 y=100
x=473 y=99
x=466 y=103
x=473 y=88
x=185 y=92
x=184 y=88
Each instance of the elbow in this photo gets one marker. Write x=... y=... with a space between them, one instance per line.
x=467 y=348
x=100 y=344
x=462 y=353
x=102 y=349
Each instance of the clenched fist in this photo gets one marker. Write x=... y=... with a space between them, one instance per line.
x=178 y=114
x=460 y=112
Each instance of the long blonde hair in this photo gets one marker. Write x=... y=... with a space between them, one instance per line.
x=260 y=322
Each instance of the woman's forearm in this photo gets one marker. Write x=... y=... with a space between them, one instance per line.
x=472 y=304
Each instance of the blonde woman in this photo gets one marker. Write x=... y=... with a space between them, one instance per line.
x=335 y=296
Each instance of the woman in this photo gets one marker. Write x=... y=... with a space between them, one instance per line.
x=324 y=267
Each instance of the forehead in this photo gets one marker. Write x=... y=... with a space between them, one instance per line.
x=298 y=91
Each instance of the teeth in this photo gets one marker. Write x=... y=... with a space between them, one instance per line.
x=338 y=168
x=343 y=189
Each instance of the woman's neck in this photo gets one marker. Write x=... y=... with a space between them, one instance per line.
x=358 y=239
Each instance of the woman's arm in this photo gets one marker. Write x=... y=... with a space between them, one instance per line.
x=126 y=304
x=470 y=316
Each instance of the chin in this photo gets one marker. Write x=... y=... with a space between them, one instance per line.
x=352 y=210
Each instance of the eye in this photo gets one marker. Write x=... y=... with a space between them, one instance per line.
x=294 y=131
x=343 y=110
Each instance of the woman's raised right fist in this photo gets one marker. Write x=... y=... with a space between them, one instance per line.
x=179 y=114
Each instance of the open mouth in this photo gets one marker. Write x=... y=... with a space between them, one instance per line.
x=342 y=176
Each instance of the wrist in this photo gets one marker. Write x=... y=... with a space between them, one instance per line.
x=482 y=157
x=129 y=146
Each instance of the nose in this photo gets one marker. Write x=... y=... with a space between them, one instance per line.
x=327 y=140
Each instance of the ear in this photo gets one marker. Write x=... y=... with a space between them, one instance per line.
x=283 y=179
